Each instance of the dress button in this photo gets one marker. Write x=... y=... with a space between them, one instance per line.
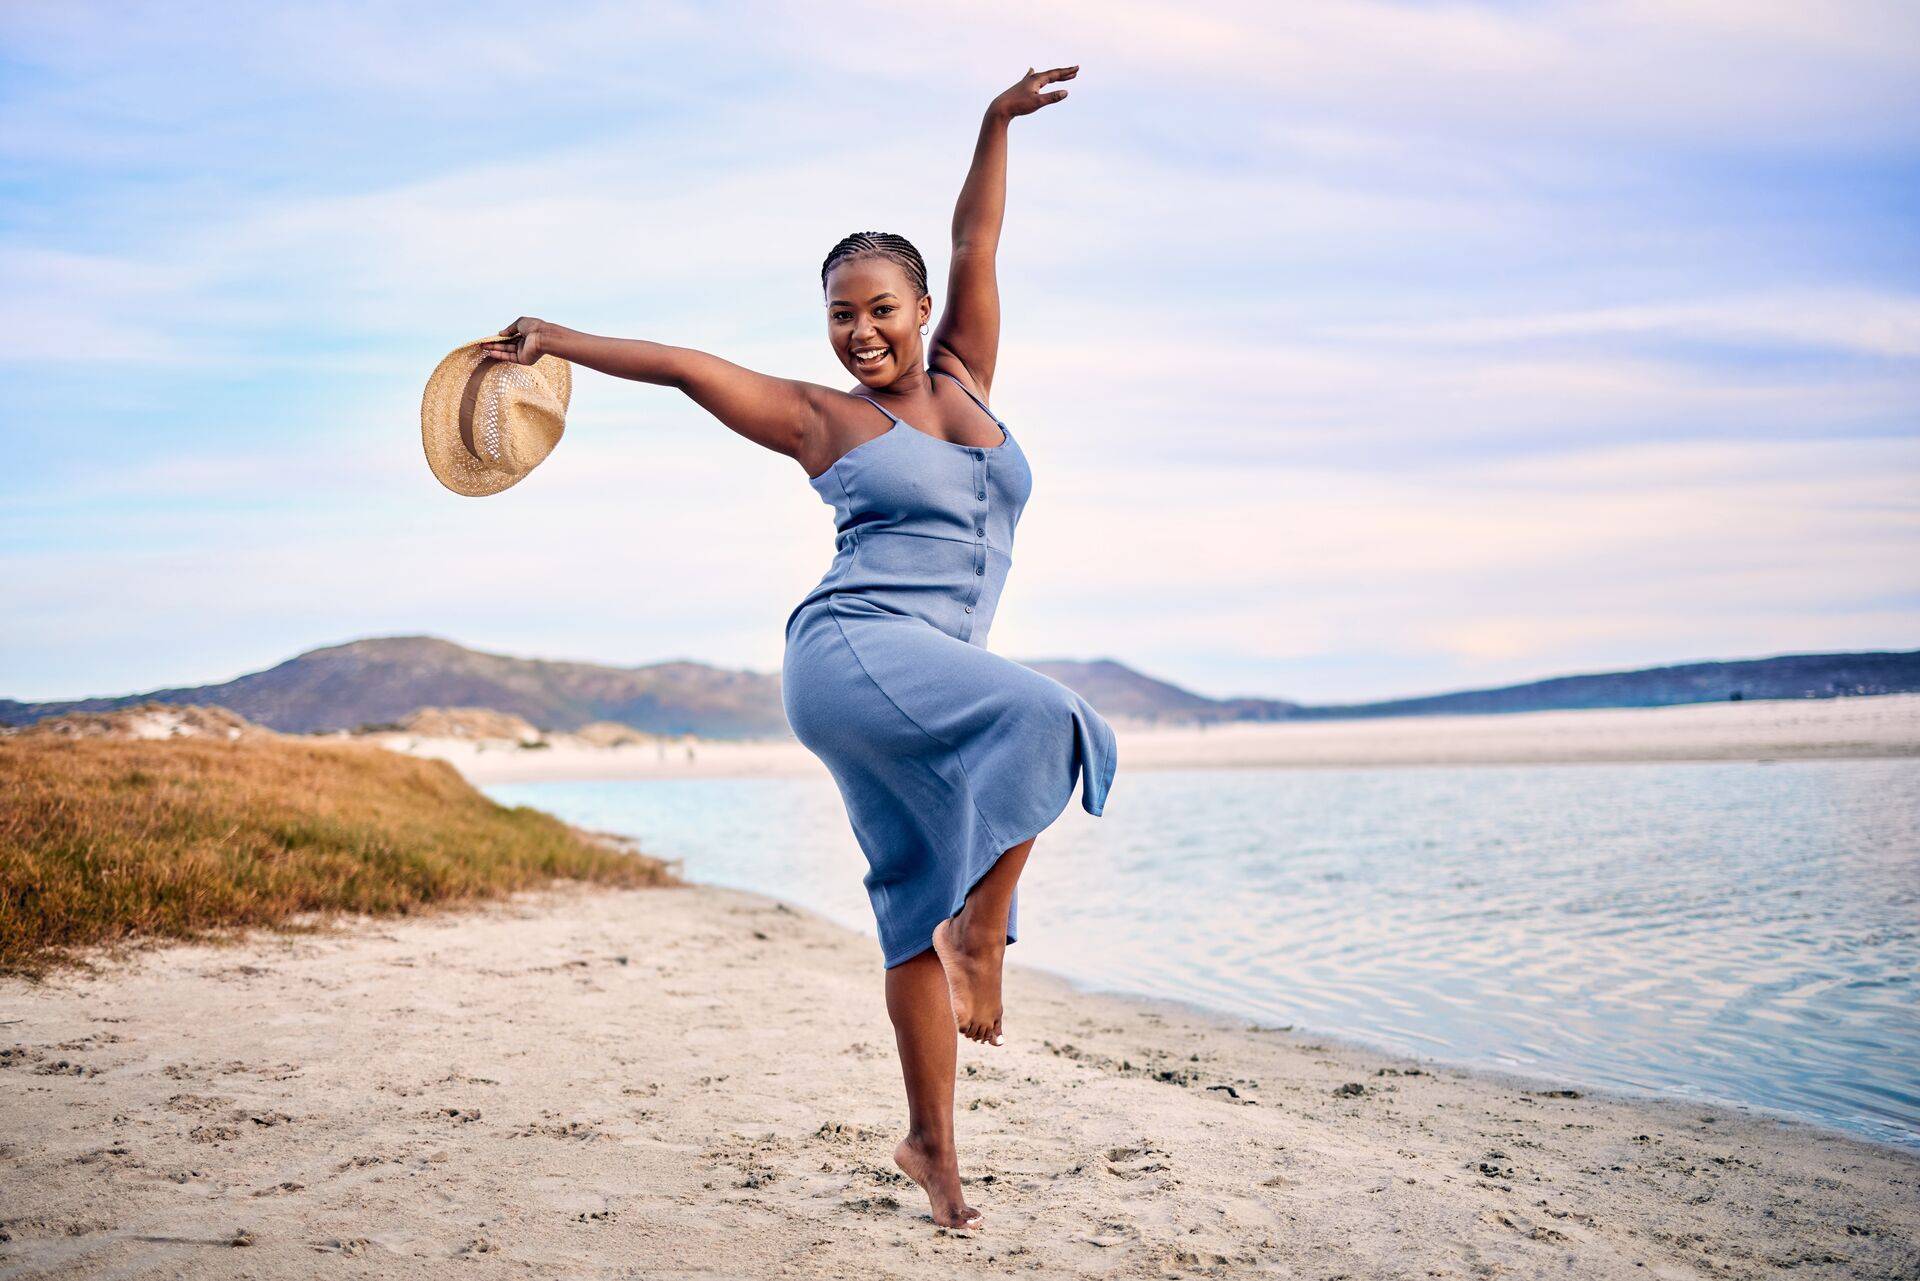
x=978 y=454
x=979 y=569
x=969 y=609
x=980 y=494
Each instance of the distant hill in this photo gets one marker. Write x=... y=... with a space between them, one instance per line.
x=1117 y=691
x=149 y=720
x=384 y=680
x=1788 y=676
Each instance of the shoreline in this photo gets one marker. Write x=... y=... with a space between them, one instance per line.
x=1523 y=1080
x=700 y=1081
x=1885 y=726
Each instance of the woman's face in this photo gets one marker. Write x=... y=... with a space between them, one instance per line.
x=872 y=307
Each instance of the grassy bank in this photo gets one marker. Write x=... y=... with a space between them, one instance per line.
x=105 y=840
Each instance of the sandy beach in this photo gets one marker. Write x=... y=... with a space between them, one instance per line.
x=701 y=1082
x=1885 y=725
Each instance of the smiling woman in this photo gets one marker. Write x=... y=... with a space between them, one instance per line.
x=951 y=760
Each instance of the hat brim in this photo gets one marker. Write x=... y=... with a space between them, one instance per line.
x=452 y=463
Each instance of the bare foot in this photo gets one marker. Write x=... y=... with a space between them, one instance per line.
x=973 y=976
x=939 y=1175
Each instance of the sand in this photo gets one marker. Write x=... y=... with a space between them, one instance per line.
x=1880 y=726
x=701 y=1082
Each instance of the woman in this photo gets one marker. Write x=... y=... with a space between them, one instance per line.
x=950 y=759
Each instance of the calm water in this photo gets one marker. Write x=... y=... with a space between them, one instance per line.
x=1739 y=932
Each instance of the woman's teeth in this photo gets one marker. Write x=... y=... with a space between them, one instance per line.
x=870 y=356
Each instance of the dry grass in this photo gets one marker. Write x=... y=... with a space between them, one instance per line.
x=107 y=841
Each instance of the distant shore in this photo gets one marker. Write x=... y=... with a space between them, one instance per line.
x=698 y=1081
x=1885 y=725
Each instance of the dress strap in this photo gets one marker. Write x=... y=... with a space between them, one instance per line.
x=877 y=405
x=976 y=400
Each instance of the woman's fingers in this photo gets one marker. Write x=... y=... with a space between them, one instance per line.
x=1024 y=96
x=518 y=342
x=1034 y=82
x=503 y=347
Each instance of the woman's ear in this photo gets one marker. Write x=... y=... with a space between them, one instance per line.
x=926 y=308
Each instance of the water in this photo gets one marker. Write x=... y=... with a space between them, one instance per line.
x=1744 y=933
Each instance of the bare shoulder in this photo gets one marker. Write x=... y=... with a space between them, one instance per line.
x=840 y=420
x=944 y=360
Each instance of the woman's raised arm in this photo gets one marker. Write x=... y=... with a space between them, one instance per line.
x=779 y=413
x=969 y=329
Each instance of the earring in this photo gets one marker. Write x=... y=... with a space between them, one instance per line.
x=923 y=329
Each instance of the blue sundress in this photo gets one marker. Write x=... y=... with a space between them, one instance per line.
x=947 y=755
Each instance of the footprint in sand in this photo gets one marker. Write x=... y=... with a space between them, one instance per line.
x=1137 y=1160
x=881 y=1204
x=1517 y=1222
x=348 y=1247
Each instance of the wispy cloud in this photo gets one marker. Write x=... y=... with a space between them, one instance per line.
x=1875 y=324
x=1360 y=348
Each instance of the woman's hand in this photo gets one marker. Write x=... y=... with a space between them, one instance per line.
x=1025 y=98
x=523 y=342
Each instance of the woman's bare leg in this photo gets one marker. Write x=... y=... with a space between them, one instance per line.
x=922 y=1013
x=973 y=944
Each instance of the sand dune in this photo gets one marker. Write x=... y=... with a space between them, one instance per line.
x=1886 y=725
x=701 y=1082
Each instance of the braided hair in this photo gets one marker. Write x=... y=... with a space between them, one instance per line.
x=881 y=244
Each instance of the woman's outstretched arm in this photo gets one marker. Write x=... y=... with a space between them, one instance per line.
x=779 y=413
x=969 y=329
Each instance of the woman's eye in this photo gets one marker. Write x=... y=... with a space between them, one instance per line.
x=883 y=308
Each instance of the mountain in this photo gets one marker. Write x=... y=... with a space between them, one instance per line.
x=1787 y=676
x=1119 y=692
x=383 y=680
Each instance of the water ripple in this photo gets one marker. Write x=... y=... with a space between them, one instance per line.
x=1722 y=931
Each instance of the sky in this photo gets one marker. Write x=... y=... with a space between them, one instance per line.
x=1359 y=349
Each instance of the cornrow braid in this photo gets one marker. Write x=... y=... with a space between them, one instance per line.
x=884 y=244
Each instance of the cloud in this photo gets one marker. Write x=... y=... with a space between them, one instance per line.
x=1353 y=344
x=1622 y=554
x=1768 y=73
x=1861 y=321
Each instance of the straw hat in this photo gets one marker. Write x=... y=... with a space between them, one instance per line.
x=486 y=422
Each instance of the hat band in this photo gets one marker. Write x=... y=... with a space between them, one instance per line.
x=469 y=404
